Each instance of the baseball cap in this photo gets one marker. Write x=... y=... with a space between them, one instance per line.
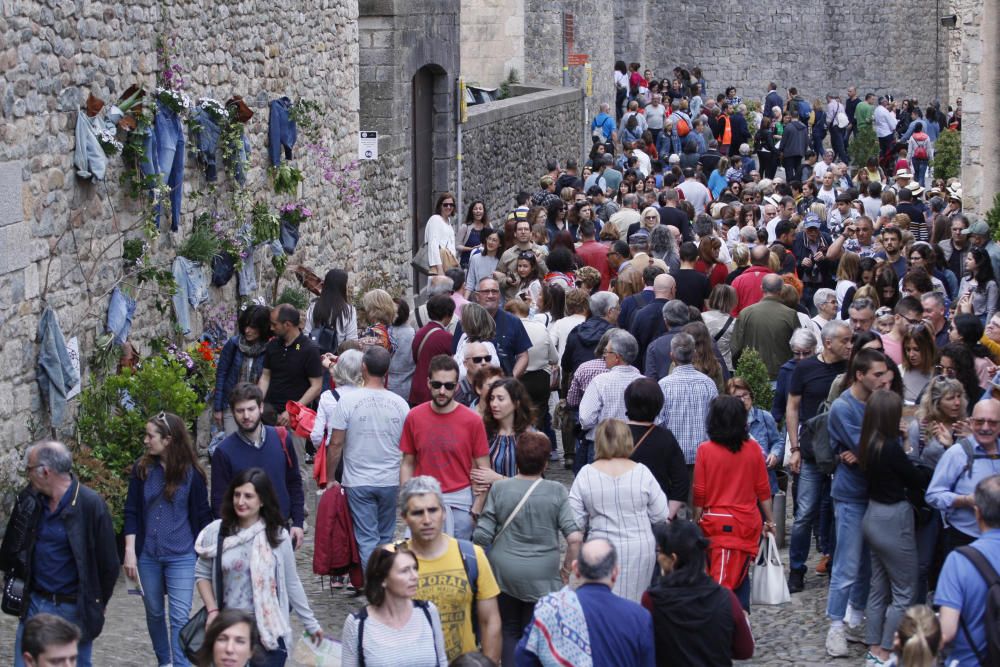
x=811 y=221
x=979 y=228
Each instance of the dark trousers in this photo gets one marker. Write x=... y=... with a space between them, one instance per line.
x=768 y=164
x=792 y=167
x=515 y=615
x=838 y=144
x=885 y=144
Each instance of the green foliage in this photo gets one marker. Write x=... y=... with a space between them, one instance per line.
x=993 y=217
x=308 y=118
x=294 y=296
x=752 y=369
x=948 y=155
x=286 y=179
x=264 y=224
x=112 y=419
x=512 y=79
x=201 y=246
x=864 y=145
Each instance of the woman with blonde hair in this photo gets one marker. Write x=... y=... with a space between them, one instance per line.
x=380 y=310
x=629 y=282
x=848 y=275
x=918 y=639
x=618 y=499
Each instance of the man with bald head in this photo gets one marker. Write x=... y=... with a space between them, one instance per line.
x=648 y=325
x=475 y=356
x=615 y=632
x=766 y=326
x=747 y=284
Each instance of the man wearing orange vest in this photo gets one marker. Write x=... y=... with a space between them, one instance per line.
x=725 y=129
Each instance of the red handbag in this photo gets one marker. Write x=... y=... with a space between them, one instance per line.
x=300 y=418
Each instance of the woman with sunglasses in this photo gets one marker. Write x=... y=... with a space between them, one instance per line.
x=258 y=565
x=439 y=236
x=166 y=507
x=399 y=630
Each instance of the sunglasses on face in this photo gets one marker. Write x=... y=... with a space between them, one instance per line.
x=450 y=386
x=481 y=360
x=448 y=204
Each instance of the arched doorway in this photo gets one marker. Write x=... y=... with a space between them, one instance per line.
x=428 y=80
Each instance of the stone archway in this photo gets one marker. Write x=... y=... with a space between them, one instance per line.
x=426 y=147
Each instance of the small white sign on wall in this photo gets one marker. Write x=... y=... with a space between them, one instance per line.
x=367 y=145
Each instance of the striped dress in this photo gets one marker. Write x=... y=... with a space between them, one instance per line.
x=622 y=510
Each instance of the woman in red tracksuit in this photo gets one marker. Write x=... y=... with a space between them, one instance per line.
x=731 y=490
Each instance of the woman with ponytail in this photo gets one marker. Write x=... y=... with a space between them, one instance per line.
x=917 y=639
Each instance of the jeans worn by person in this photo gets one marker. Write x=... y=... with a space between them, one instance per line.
x=56 y=374
x=584 y=454
x=851 y=571
x=191 y=289
x=88 y=156
x=121 y=309
x=281 y=131
x=67 y=611
x=373 y=512
x=809 y=491
x=164 y=157
x=920 y=170
x=458 y=519
x=177 y=574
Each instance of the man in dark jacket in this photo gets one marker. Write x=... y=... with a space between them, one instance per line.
x=61 y=541
x=648 y=325
x=810 y=248
x=740 y=130
x=772 y=100
x=583 y=339
x=793 y=146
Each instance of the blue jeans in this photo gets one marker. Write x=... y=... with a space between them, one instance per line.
x=281 y=131
x=172 y=576
x=206 y=140
x=849 y=577
x=584 y=454
x=373 y=511
x=121 y=309
x=62 y=610
x=164 y=157
x=809 y=490
x=920 y=170
x=191 y=289
x=928 y=535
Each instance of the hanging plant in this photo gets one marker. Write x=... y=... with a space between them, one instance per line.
x=286 y=179
x=308 y=118
x=201 y=245
x=295 y=214
x=175 y=100
x=264 y=225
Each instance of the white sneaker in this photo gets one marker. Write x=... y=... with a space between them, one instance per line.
x=836 y=642
x=872 y=660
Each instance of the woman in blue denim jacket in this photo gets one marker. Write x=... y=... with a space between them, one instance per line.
x=762 y=428
x=241 y=360
x=166 y=507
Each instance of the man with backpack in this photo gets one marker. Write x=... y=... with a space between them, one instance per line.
x=968 y=590
x=603 y=125
x=958 y=472
x=810 y=384
x=851 y=563
x=453 y=574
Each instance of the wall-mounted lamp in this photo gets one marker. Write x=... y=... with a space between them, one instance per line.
x=949 y=21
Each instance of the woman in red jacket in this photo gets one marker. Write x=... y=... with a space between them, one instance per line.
x=731 y=490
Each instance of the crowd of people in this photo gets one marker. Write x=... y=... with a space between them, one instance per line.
x=603 y=324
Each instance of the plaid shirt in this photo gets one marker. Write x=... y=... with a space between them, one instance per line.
x=582 y=378
x=686 y=395
x=605 y=397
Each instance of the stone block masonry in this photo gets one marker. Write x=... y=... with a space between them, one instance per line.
x=60 y=237
x=505 y=145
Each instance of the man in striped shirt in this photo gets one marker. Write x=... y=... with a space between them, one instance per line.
x=687 y=393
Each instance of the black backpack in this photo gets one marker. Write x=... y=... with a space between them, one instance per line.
x=325 y=337
x=814 y=440
x=363 y=614
x=991 y=619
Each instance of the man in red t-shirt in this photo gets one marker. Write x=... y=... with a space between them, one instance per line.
x=431 y=340
x=593 y=253
x=446 y=440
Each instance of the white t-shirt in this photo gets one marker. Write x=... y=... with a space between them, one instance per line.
x=697 y=194
x=373 y=421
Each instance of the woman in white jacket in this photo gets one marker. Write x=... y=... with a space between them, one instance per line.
x=439 y=233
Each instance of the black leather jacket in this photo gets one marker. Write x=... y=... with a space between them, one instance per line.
x=92 y=539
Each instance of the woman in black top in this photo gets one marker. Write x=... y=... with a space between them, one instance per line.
x=767 y=152
x=888 y=521
x=656 y=447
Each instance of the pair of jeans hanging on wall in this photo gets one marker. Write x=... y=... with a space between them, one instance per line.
x=164 y=157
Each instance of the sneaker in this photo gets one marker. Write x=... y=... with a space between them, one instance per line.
x=872 y=660
x=796 y=581
x=823 y=567
x=336 y=582
x=855 y=633
x=836 y=643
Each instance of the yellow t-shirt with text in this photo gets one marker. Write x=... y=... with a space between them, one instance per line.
x=443 y=582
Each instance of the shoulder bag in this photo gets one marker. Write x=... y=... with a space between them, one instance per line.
x=192 y=635
x=643 y=438
x=517 y=509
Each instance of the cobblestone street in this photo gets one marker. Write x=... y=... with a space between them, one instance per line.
x=791 y=634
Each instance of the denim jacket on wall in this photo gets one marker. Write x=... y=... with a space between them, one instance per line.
x=88 y=156
x=56 y=374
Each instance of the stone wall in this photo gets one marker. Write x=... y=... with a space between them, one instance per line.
x=492 y=41
x=815 y=45
x=505 y=145
x=61 y=237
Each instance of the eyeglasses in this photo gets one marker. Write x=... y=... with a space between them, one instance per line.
x=162 y=418
x=488 y=291
x=801 y=354
x=978 y=421
x=948 y=372
x=450 y=386
x=650 y=217
x=743 y=395
x=527 y=254
x=480 y=360
x=448 y=204
x=911 y=320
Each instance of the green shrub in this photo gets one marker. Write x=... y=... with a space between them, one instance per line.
x=294 y=296
x=201 y=246
x=752 y=369
x=864 y=145
x=948 y=155
x=112 y=420
x=993 y=217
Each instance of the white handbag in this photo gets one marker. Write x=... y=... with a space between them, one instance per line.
x=767 y=584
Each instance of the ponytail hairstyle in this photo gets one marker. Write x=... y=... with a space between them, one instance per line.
x=919 y=635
